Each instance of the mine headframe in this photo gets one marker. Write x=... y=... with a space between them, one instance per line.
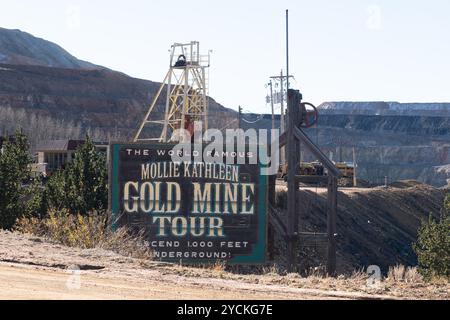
x=182 y=98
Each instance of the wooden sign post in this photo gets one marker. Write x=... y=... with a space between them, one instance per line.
x=293 y=149
x=292 y=139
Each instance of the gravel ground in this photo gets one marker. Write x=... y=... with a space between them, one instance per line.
x=32 y=268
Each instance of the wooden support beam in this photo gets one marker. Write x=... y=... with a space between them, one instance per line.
x=293 y=159
x=301 y=136
x=331 y=225
x=271 y=189
x=283 y=140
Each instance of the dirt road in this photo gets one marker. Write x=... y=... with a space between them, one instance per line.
x=31 y=268
x=25 y=282
x=19 y=282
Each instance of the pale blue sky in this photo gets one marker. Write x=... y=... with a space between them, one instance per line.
x=357 y=50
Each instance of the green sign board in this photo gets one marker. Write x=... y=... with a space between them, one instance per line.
x=189 y=211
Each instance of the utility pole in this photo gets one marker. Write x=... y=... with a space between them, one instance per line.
x=281 y=78
x=240 y=117
x=283 y=122
x=355 y=181
x=271 y=104
x=287 y=65
x=287 y=50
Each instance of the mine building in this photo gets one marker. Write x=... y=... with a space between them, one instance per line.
x=53 y=155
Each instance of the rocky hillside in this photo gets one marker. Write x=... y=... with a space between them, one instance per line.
x=405 y=141
x=98 y=99
x=393 y=140
x=17 y=47
x=40 y=79
x=431 y=125
x=386 y=108
x=397 y=146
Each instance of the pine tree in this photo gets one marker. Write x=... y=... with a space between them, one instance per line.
x=433 y=245
x=14 y=171
x=54 y=195
x=82 y=186
x=35 y=201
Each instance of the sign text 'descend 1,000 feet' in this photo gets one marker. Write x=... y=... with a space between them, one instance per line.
x=194 y=212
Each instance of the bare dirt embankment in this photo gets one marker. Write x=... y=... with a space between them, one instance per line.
x=31 y=268
x=375 y=226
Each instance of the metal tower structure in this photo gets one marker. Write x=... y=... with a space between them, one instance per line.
x=186 y=98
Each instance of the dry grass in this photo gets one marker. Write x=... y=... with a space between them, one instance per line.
x=219 y=266
x=317 y=272
x=86 y=232
x=408 y=283
x=271 y=270
x=401 y=273
x=397 y=273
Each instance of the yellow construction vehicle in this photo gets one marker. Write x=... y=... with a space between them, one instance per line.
x=347 y=169
x=314 y=168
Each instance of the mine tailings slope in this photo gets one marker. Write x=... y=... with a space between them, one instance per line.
x=375 y=226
